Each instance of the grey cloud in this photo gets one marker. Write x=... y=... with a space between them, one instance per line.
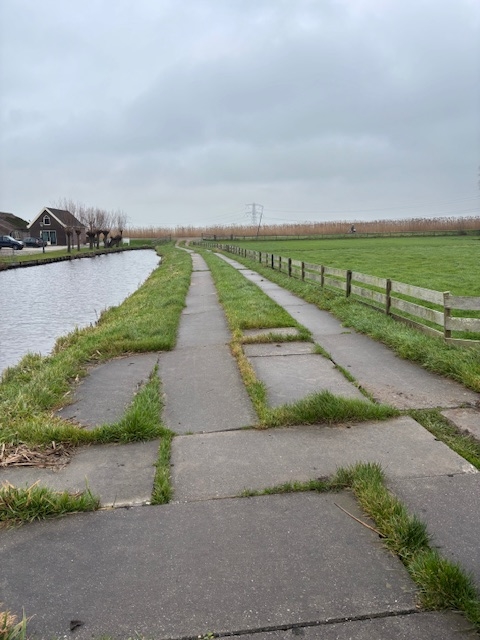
x=205 y=95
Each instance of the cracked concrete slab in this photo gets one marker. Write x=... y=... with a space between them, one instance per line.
x=119 y=474
x=466 y=420
x=108 y=389
x=225 y=464
x=178 y=571
x=204 y=391
x=390 y=379
x=278 y=349
x=203 y=328
x=412 y=626
x=290 y=378
x=449 y=507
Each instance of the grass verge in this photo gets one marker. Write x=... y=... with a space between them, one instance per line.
x=246 y=305
x=27 y=504
x=326 y=408
x=458 y=363
x=442 y=584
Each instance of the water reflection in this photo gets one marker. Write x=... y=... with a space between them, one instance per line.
x=40 y=304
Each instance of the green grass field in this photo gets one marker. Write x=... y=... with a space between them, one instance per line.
x=447 y=263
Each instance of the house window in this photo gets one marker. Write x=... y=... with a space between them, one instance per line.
x=46 y=220
x=49 y=236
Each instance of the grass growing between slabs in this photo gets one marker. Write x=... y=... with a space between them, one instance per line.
x=326 y=408
x=458 y=363
x=442 y=584
x=247 y=306
x=146 y=321
x=30 y=392
x=27 y=504
x=465 y=445
x=162 y=487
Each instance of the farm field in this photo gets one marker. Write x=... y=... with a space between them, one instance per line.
x=449 y=263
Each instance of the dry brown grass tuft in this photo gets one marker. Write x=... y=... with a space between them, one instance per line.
x=20 y=455
x=10 y=627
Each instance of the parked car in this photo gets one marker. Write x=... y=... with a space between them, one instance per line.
x=8 y=241
x=34 y=242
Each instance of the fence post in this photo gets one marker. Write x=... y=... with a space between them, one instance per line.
x=447 y=312
x=290 y=267
x=322 y=275
x=260 y=257
x=388 y=293
x=303 y=271
x=272 y=261
x=279 y=263
x=349 y=284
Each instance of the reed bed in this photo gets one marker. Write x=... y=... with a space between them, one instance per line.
x=470 y=224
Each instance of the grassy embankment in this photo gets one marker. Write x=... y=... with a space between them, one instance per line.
x=458 y=363
x=248 y=307
x=146 y=321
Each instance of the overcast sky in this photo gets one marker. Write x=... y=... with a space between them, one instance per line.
x=182 y=112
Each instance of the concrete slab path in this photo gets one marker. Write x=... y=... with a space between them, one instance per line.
x=266 y=568
x=252 y=459
x=179 y=571
x=378 y=370
x=201 y=366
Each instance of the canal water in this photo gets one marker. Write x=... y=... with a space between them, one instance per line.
x=40 y=304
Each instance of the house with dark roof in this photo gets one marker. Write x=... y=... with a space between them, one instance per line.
x=52 y=225
x=12 y=225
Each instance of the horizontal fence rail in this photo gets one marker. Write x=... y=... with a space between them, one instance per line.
x=433 y=312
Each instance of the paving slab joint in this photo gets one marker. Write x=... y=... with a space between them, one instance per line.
x=305 y=624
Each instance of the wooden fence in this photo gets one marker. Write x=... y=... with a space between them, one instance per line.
x=433 y=312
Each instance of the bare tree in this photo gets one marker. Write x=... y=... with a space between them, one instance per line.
x=69 y=234
x=100 y=224
x=119 y=221
x=107 y=221
x=68 y=204
x=78 y=231
x=89 y=219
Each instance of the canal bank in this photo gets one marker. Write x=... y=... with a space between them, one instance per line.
x=74 y=255
x=41 y=305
